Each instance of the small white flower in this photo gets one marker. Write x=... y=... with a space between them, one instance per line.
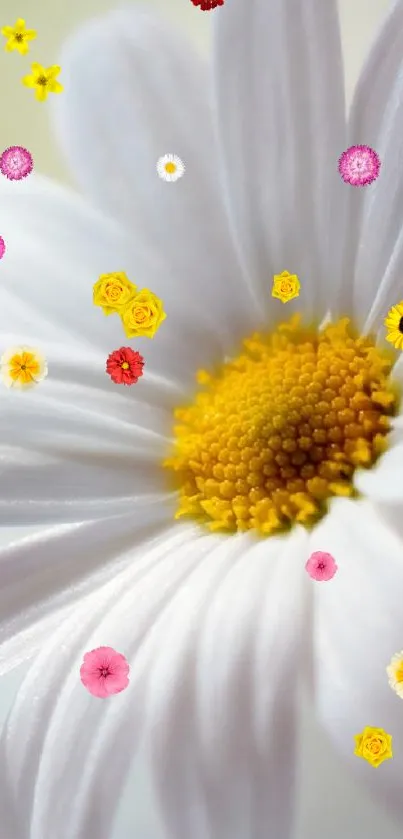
x=170 y=167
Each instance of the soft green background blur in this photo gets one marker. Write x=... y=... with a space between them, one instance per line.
x=25 y=122
x=330 y=804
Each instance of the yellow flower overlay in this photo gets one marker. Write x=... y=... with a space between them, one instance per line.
x=43 y=79
x=394 y=323
x=395 y=673
x=285 y=286
x=113 y=291
x=23 y=367
x=373 y=745
x=17 y=37
x=143 y=315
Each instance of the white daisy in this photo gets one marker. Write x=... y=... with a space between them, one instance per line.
x=170 y=167
x=217 y=628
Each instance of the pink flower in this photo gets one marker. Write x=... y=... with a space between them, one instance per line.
x=2 y=247
x=104 y=672
x=16 y=163
x=359 y=165
x=321 y=566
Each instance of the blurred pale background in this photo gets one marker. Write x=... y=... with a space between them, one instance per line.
x=330 y=805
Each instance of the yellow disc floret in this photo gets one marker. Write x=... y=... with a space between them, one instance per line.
x=278 y=430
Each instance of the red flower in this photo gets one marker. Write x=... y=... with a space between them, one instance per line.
x=207 y=5
x=125 y=366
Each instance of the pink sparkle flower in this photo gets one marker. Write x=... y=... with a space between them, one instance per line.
x=104 y=672
x=16 y=163
x=359 y=165
x=2 y=247
x=321 y=566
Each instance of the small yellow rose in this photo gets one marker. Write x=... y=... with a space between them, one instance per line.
x=143 y=315
x=285 y=286
x=113 y=291
x=373 y=745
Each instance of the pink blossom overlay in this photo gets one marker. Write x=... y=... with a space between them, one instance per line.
x=359 y=165
x=104 y=672
x=321 y=566
x=16 y=163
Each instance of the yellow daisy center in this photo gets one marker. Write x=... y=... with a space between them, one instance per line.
x=279 y=429
x=125 y=365
x=170 y=168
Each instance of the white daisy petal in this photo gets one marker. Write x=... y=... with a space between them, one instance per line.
x=273 y=111
x=48 y=284
x=225 y=743
x=66 y=247
x=154 y=106
x=69 y=730
x=53 y=569
x=71 y=462
x=358 y=627
x=374 y=222
x=384 y=482
x=78 y=388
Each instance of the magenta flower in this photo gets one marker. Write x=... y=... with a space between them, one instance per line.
x=321 y=566
x=359 y=165
x=2 y=247
x=104 y=672
x=16 y=163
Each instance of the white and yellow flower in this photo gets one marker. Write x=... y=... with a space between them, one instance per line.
x=289 y=443
x=22 y=367
x=395 y=673
x=170 y=167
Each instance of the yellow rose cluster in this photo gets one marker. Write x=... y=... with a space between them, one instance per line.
x=141 y=312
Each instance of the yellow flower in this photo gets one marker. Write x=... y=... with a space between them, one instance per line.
x=113 y=292
x=23 y=367
x=395 y=673
x=394 y=323
x=285 y=286
x=143 y=315
x=17 y=37
x=373 y=745
x=43 y=79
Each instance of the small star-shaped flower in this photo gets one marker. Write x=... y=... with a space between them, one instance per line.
x=43 y=80
x=18 y=37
